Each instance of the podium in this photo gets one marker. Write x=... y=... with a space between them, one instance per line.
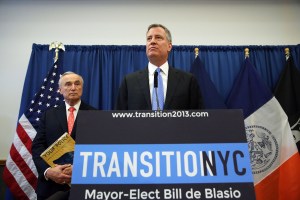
x=197 y=154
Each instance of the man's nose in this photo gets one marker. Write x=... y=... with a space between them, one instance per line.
x=153 y=41
x=73 y=86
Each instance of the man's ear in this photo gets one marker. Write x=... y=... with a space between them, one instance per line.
x=170 y=47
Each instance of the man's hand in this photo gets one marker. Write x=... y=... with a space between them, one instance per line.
x=57 y=174
x=68 y=170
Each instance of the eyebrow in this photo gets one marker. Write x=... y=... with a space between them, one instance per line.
x=156 y=35
x=76 y=81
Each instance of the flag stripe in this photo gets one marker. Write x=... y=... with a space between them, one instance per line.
x=288 y=187
x=19 y=179
x=23 y=154
x=27 y=126
x=24 y=138
x=25 y=169
x=15 y=188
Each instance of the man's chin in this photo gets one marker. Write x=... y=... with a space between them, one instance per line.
x=152 y=55
x=73 y=96
x=73 y=99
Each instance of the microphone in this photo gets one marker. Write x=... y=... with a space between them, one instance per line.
x=155 y=79
x=155 y=88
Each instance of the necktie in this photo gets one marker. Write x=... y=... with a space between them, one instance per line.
x=71 y=119
x=158 y=93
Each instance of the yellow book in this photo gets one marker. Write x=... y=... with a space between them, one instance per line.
x=60 y=152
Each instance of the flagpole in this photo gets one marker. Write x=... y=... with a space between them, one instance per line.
x=57 y=46
x=247 y=53
x=287 y=53
x=196 y=50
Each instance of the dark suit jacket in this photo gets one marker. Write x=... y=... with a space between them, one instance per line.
x=183 y=92
x=52 y=125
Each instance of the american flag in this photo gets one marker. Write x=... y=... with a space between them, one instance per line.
x=20 y=173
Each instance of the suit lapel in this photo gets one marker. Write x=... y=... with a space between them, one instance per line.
x=143 y=80
x=173 y=82
x=62 y=117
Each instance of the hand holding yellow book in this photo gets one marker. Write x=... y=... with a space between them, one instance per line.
x=60 y=152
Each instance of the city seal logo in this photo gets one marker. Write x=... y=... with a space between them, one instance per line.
x=263 y=148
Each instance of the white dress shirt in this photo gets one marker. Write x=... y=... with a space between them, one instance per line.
x=164 y=75
x=76 y=106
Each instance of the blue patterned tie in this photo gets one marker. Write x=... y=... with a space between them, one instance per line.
x=159 y=91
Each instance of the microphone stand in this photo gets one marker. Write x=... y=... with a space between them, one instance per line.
x=157 y=102
x=155 y=88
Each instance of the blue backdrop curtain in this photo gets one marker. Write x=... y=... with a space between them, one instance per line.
x=103 y=67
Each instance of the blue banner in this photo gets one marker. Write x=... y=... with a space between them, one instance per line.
x=162 y=163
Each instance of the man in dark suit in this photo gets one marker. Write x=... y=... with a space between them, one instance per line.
x=180 y=89
x=53 y=124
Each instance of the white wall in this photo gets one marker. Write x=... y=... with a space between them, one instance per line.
x=124 y=22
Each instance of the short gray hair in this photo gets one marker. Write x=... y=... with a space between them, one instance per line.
x=168 y=33
x=67 y=73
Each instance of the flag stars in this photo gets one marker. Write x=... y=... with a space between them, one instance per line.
x=43 y=99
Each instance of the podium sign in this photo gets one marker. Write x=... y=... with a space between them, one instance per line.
x=161 y=155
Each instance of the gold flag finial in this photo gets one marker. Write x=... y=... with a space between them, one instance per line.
x=287 y=53
x=57 y=46
x=247 y=54
x=196 y=52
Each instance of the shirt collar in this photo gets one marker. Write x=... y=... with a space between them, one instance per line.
x=164 y=68
x=76 y=106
